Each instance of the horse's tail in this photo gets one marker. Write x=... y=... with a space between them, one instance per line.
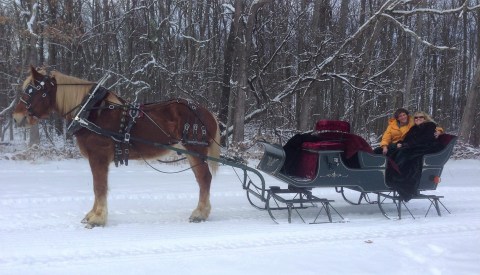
x=214 y=150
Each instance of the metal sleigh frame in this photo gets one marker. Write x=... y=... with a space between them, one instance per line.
x=366 y=181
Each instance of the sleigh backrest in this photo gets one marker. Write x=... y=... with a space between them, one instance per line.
x=433 y=163
x=441 y=157
x=332 y=125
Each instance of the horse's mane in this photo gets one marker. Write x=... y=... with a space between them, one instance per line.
x=70 y=96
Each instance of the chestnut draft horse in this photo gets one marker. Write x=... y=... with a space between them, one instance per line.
x=109 y=129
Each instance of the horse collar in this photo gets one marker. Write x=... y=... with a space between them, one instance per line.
x=94 y=96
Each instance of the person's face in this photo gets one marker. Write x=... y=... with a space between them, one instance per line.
x=419 y=119
x=403 y=118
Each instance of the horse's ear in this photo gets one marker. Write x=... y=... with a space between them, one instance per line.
x=35 y=74
x=33 y=71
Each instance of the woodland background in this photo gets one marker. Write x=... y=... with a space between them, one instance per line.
x=270 y=65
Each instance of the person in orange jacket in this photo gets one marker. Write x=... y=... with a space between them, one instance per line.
x=398 y=127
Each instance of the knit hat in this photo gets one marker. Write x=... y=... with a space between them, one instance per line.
x=399 y=111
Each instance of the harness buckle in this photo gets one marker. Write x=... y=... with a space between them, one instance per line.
x=185 y=128
x=134 y=111
x=195 y=128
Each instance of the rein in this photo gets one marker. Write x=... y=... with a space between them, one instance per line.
x=165 y=172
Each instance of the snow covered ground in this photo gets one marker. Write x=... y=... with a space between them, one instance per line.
x=42 y=204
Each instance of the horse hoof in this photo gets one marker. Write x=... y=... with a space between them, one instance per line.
x=196 y=219
x=91 y=226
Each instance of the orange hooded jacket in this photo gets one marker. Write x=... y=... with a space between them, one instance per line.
x=395 y=132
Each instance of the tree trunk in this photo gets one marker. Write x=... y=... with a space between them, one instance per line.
x=468 y=118
x=241 y=74
x=106 y=35
x=243 y=46
x=228 y=57
x=32 y=58
x=317 y=92
x=337 y=99
x=412 y=60
x=302 y=103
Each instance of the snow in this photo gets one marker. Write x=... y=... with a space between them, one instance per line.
x=32 y=19
x=43 y=202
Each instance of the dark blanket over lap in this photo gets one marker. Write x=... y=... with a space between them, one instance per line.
x=409 y=162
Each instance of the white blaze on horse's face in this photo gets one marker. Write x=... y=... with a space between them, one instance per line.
x=21 y=117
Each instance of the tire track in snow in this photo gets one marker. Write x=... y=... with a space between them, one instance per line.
x=27 y=213
x=191 y=246
x=142 y=208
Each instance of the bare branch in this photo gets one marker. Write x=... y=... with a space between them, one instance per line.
x=460 y=9
x=327 y=61
x=344 y=79
x=10 y=107
x=415 y=36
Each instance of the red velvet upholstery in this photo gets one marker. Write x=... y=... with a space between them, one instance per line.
x=445 y=139
x=351 y=142
x=308 y=161
x=323 y=145
x=330 y=135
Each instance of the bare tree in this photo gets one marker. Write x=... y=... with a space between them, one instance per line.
x=471 y=108
x=272 y=63
x=244 y=33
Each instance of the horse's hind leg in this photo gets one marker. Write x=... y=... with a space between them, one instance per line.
x=98 y=215
x=204 y=179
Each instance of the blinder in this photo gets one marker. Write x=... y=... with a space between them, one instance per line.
x=31 y=90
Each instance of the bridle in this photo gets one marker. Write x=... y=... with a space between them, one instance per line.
x=31 y=90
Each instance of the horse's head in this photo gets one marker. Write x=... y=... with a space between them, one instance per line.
x=37 y=99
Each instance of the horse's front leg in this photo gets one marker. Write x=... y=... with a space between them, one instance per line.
x=98 y=215
x=204 y=179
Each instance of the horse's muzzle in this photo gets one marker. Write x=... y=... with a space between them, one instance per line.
x=20 y=119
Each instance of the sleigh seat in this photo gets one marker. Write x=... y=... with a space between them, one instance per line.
x=332 y=135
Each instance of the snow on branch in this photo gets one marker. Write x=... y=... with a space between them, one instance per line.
x=9 y=108
x=344 y=79
x=196 y=40
x=32 y=19
x=385 y=69
x=361 y=29
x=460 y=9
x=414 y=35
x=228 y=8
x=385 y=11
